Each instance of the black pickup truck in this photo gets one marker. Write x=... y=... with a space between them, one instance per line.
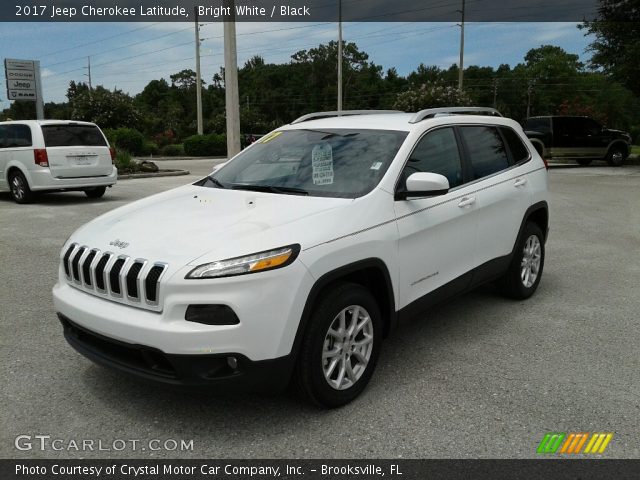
x=577 y=138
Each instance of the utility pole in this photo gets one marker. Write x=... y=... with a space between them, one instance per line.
x=198 y=78
x=88 y=74
x=461 y=66
x=232 y=96
x=529 y=94
x=495 y=93
x=339 y=55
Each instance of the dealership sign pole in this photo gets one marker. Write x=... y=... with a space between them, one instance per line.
x=24 y=82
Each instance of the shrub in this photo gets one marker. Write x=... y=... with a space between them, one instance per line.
x=206 y=145
x=125 y=163
x=150 y=148
x=174 y=150
x=127 y=139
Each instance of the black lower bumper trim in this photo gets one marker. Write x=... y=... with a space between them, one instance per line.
x=215 y=370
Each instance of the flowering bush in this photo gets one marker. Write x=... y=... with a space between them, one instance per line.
x=431 y=96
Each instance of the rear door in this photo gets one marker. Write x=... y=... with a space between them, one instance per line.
x=499 y=163
x=76 y=150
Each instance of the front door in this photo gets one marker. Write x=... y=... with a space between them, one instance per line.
x=437 y=235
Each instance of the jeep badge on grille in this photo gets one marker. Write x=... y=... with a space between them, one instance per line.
x=119 y=243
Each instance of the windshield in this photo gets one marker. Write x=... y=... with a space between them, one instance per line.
x=325 y=163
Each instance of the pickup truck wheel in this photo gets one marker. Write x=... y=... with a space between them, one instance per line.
x=96 y=192
x=616 y=156
x=584 y=161
x=524 y=273
x=20 y=190
x=341 y=346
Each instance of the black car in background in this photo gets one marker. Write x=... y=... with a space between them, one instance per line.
x=577 y=138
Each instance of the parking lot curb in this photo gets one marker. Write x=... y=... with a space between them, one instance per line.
x=162 y=173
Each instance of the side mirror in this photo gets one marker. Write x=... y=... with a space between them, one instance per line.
x=218 y=167
x=424 y=184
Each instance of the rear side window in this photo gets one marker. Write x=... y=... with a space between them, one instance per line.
x=72 y=135
x=538 y=124
x=486 y=149
x=12 y=136
x=519 y=152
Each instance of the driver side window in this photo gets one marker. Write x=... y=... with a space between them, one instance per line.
x=436 y=152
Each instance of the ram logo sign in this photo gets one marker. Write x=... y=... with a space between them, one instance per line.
x=573 y=443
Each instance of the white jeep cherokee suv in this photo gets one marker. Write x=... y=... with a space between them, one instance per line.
x=297 y=257
x=54 y=155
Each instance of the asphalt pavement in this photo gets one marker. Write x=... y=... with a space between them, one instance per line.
x=481 y=377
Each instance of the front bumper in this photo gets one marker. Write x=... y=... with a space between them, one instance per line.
x=231 y=371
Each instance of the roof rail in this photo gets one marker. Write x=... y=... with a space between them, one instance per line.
x=433 y=112
x=342 y=113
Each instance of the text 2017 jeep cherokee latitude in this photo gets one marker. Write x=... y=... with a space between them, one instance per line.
x=294 y=259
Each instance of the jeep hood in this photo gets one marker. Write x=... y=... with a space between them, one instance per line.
x=183 y=224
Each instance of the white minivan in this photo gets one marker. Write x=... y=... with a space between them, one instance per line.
x=54 y=155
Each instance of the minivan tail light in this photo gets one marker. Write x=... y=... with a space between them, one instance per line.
x=40 y=157
x=546 y=163
x=112 y=152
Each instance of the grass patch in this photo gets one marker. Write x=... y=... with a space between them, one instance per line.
x=635 y=149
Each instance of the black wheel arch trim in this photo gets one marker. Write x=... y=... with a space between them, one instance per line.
x=328 y=278
x=536 y=207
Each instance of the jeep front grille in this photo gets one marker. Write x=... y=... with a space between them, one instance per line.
x=132 y=281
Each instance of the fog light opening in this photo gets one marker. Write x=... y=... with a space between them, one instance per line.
x=233 y=363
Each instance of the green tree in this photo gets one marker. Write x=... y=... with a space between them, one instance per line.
x=616 y=48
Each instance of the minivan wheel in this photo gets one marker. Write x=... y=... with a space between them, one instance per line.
x=19 y=186
x=616 y=156
x=525 y=271
x=95 y=192
x=341 y=346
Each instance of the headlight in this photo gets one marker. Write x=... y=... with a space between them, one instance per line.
x=257 y=262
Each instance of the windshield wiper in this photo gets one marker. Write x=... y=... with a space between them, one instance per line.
x=270 y=189
x=216 y=182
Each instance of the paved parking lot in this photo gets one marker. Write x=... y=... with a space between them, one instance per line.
x=479 y=377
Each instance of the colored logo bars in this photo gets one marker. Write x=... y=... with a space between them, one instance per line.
x=573 y=443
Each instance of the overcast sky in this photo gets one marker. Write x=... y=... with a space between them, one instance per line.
x=129 y=55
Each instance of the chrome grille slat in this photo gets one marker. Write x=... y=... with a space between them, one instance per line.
x=92 y=270
x=87 y=261
x=76 y=271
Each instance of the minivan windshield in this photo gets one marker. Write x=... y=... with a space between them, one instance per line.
x=340 y=163
x=70 y=135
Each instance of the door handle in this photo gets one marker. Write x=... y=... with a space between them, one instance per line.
x=520 y=182
x=467 y=202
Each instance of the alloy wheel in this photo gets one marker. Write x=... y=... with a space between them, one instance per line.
x=347 y=347
x=531 y=259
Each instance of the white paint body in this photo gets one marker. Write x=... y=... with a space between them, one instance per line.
x=192 y=225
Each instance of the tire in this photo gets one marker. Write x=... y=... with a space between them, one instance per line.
x=616 y=156
x=20 y=191
x=96 y=192
x=584 y=161
x=516 y=283
x=337 y=386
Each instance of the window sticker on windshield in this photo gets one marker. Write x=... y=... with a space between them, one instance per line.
x=269 y=137
x=376 y=166
x=322 y=163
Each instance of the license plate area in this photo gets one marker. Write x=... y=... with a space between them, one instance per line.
x=80 y=159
